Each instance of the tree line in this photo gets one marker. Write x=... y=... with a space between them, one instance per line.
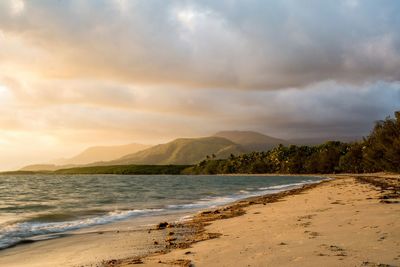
x=379 y=151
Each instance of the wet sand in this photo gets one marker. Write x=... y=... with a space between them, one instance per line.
x=90 y=246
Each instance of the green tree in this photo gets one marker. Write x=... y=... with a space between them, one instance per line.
x=352 y=161
x=382 y=146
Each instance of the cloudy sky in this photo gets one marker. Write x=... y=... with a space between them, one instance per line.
x=83 y=72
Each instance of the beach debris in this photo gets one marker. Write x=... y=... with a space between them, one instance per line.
x=372 y=264
x=111 y=262
x=213 y=235
x=136 y=261
x=162 y=225
x=389 y=196
x=114 y=262
x=206 y=212
x=170 y=239
x=390 y=201
x=179 y=262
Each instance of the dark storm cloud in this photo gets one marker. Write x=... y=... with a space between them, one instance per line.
x=324 y=110
x=226 y=44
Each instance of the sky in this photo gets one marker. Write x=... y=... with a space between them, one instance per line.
x=79 y=73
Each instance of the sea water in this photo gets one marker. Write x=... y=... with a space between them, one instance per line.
x=34 y=206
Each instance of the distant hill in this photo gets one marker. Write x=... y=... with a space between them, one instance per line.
x=321 y=140
x=41 y=167
x=252 y=141
x=89 y=155
x=102 y=153
x=182 y=151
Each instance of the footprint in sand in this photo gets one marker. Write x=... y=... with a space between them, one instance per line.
x=335 y=250
x=383 y=237
x=304 y=220
x=322 y=210
x=313 y=234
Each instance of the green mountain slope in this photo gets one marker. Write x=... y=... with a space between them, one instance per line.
x=182 y=151
x=251 y=141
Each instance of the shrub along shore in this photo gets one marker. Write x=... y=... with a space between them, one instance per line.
x=380 y=151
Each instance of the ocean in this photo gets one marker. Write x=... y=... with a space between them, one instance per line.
x=35 y=207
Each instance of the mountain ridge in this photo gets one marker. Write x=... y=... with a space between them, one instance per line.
x=88 y=156
x=178 y=151
x=251 y=140
x=182 y=151
x=103 y=153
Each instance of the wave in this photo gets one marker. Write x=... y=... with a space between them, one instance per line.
x=204 y=203
x=212 y=202
x=285 y=186
x=21 y=231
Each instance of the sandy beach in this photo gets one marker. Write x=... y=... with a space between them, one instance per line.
x=344 y=222
x=348 y=221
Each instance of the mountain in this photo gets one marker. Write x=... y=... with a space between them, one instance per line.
x=182 y=151
x=102 y=153
x=320 y=140
x=89 y=155
x=251 y=141
x=40 y=167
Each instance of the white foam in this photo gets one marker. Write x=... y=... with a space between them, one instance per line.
x=205 y=203
x=286 y=186
x=212 y=202
x=14 y=233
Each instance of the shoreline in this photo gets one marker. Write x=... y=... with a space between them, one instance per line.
x=176 y=244
x=176 y=209
x=200 y=222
